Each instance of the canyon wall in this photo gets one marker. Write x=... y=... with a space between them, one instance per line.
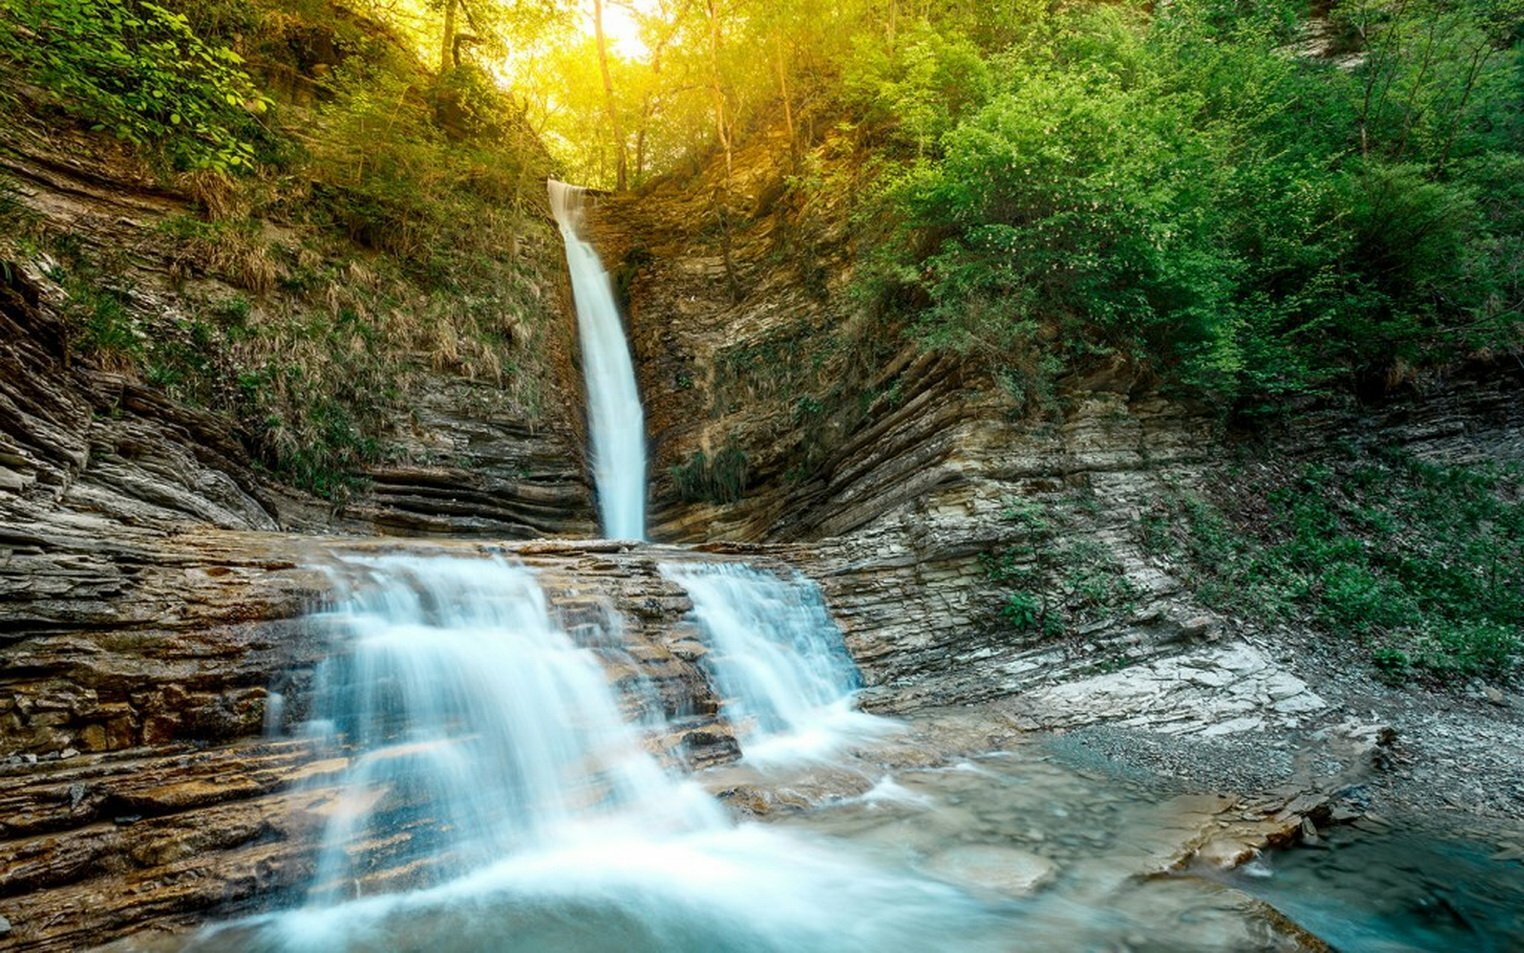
x=780 y=412
x=97 y=441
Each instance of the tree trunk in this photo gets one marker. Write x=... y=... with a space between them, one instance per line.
x=716 y=89
x=788 y=107
x=447 y=39
x=620 y=173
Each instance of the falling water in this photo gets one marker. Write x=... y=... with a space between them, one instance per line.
x=614 y=414
x=496 y=800
x=778 y=660
x=477 y=725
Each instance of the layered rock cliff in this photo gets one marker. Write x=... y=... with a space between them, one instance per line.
x=82 y=436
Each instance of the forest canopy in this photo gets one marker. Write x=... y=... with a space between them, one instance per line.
x=1247 y=199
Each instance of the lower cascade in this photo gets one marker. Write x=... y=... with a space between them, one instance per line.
x=496 y=798
x=476 y=722
x=777 y=659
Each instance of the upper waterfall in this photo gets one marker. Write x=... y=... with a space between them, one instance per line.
x=614 y=415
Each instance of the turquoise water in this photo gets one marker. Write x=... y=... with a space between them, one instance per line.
x=1397 y=890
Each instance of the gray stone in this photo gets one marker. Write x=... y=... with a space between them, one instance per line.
x=1006 y=870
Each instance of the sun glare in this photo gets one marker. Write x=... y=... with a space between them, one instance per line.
x=622 y=28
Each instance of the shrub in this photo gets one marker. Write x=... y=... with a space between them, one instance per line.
x=1421 y=563
x=137 y=70
x=1178 y=190
x=1053 y=581
x=718 y=479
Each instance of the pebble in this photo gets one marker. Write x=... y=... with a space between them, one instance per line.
x=5 y=926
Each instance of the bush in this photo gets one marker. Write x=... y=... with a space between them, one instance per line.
x=394 y=180
x=722 y=478
x=1178 y=190
x=1052 y=581
x=137 y=70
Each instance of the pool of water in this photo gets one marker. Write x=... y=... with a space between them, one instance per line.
x=1398 y=888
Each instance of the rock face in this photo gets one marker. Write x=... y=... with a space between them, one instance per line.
x=907 y=474
x=81 y=439
x=498 y=475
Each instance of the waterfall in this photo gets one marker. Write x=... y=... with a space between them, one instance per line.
x=614 y=414
x=496 y=800
x=475 y=724
x=778 y=660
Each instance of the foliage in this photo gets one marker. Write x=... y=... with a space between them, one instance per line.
x=138 y=70
x=1054 y=581
x=390 y=177
x=705 y=479
x=923 y=88
x=1179 y=190
x=390 y=229
x=1422 y=563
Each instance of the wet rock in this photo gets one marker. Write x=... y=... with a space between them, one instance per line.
x=103 y=841
x=1006 y=870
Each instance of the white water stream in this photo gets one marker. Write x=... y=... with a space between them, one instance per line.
x=777 y=660
x=497 y=800
x=476 y=724
x=614 y=416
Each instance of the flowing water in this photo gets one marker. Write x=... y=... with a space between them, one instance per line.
x=496 y=799
x=474 y=720
x=777 y=660
x=614 y=416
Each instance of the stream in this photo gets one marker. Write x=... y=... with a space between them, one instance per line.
x=502 y=794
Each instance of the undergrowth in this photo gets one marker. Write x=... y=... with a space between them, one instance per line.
x=359 y=222
x=721 y=478
x=1420 y=563
x=1053 y=580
